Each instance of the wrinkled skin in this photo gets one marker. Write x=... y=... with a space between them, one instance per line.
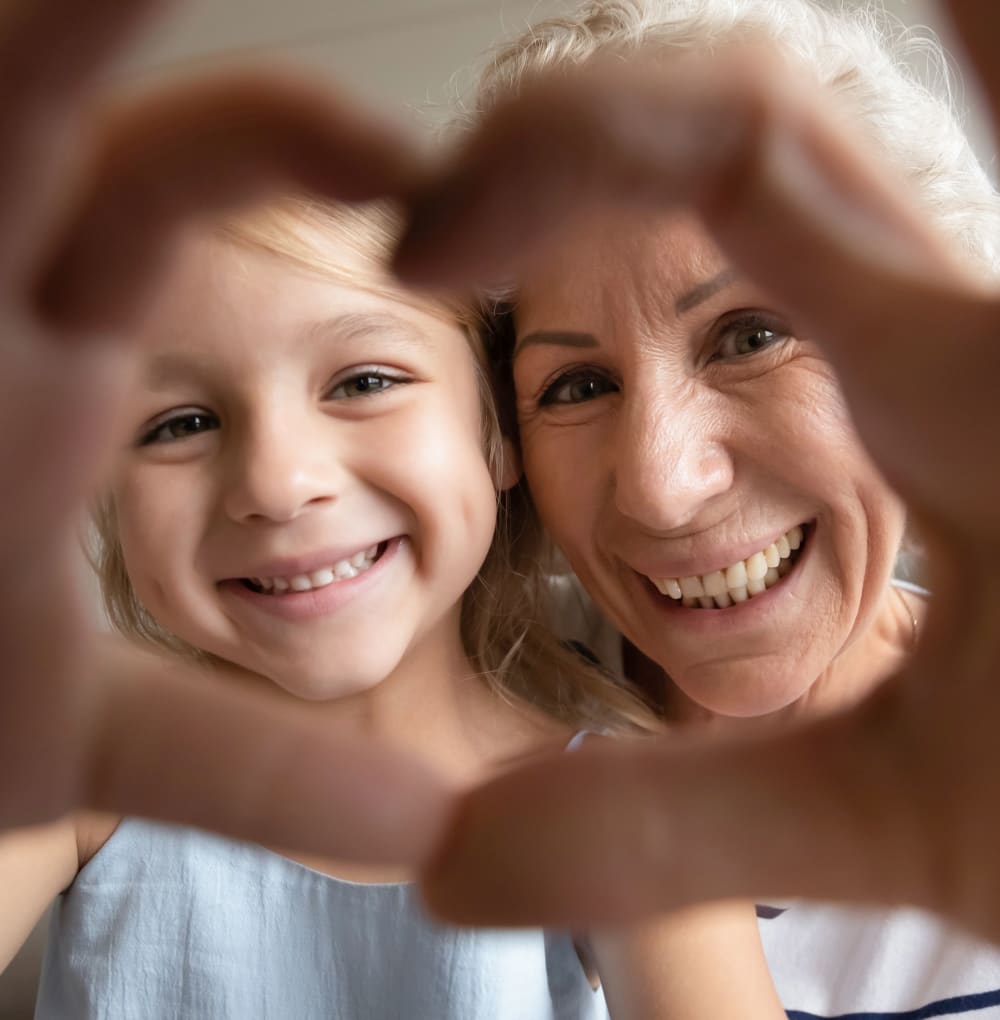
x=895 y=800
x=90 y=197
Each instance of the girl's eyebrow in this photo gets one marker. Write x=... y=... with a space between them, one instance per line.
x=170 y=368
x=177 y=366
x=358 y=325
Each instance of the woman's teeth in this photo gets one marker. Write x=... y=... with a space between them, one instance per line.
x=342 y=570
x=736 y=583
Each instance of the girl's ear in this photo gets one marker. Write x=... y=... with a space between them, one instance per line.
x=510 y=474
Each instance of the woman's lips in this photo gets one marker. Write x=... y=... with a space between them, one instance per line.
x=740 y=581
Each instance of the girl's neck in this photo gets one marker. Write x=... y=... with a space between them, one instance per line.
x=436 y=705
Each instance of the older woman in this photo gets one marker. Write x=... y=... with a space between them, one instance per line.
x=687 y=444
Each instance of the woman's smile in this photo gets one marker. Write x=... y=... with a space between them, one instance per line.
x=737 y=582
x=693 y=458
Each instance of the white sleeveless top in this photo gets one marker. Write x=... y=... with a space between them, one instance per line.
x=170 y=922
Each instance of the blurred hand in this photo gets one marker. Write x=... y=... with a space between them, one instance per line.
x=896 y=800
x=91 y=196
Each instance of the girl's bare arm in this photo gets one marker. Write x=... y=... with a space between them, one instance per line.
x=36 y=864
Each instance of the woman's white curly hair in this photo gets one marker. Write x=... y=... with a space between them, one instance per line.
x=896 y=81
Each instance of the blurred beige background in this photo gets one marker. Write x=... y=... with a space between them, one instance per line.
x=413 y=56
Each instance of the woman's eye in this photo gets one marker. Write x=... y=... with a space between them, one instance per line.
x=180 y=426
x=361 y=385
x=740 y=339
x=577 y=388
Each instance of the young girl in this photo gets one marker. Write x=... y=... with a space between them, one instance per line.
x=310 y=498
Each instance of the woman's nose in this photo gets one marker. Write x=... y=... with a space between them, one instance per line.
x=670 y=462
x=278 y=469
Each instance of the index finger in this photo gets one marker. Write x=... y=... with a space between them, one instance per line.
x=625 y=831
x=51 y=55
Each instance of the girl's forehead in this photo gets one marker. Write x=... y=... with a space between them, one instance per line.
x=219 y=285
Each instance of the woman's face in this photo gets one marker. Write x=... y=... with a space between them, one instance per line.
x=674 y=430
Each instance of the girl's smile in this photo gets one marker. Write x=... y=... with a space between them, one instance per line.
x=307 y=495
x=301 y=593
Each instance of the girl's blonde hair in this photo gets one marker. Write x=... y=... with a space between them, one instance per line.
x=504 y=611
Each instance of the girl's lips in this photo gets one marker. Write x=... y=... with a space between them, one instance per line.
x=315 y=602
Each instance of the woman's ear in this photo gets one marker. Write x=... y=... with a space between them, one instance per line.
x=510 y=470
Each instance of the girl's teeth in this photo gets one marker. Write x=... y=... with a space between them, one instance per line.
x=344 y=570
x=721 y=588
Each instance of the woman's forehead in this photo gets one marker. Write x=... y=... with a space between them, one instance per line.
x=664 y=266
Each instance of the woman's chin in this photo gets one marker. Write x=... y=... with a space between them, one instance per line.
x=743 y=697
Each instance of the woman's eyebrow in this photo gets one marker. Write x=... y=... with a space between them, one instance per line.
x=703 y=291
x=557 y=338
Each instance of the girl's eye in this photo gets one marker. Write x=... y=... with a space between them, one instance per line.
x=362 y=385
x=748 y=336
x=180 y=426
x=576 y=388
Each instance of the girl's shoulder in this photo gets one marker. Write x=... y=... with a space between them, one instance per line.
x=92 y=830
x=37 y=864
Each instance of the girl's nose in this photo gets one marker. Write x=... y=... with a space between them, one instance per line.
x=278 y=470
x=669 y=463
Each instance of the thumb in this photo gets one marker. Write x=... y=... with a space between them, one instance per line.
x=619 y=832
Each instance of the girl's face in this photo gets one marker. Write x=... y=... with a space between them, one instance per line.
x=674 y=429
x=305 y=493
